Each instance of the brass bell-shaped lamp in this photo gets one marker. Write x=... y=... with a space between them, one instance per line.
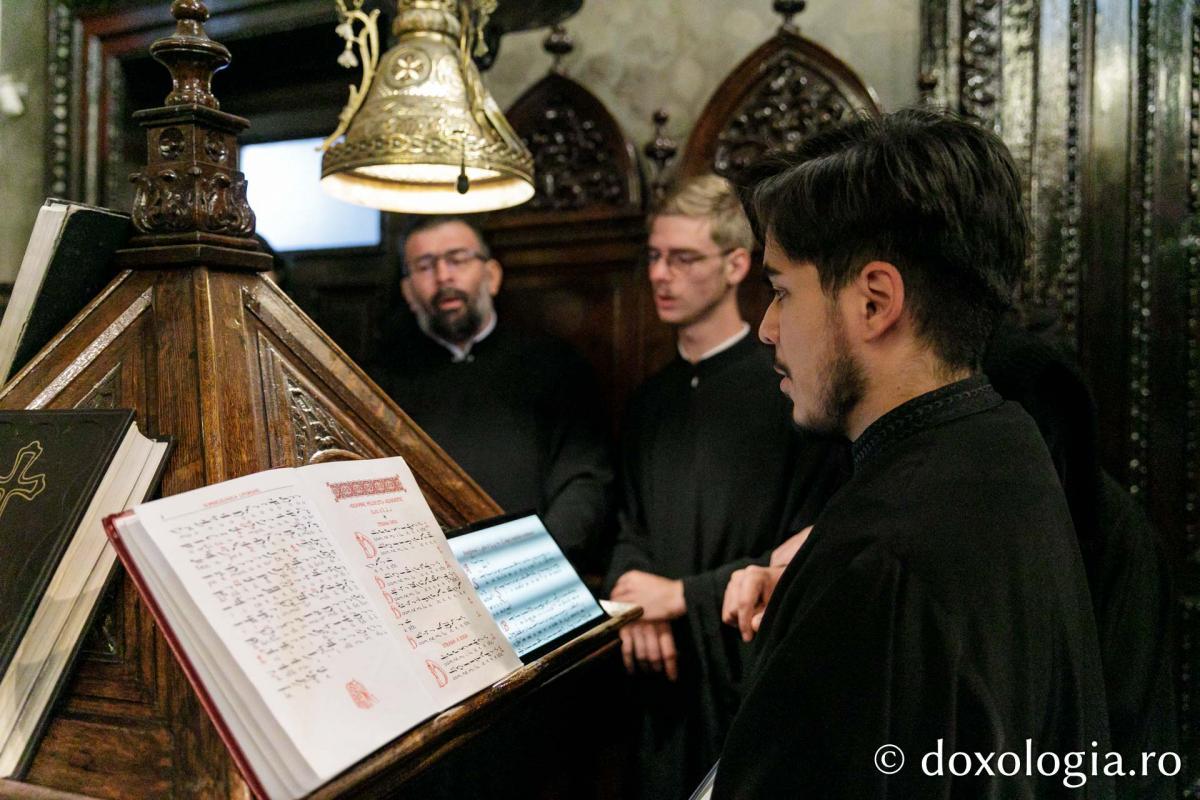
x=420 y=133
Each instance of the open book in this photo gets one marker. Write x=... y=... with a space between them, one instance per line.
x=320 y=612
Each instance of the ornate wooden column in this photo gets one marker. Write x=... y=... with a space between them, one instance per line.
x=1100 y=103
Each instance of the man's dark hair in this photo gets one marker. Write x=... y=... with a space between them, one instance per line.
x=425 y=223
x=932 y=194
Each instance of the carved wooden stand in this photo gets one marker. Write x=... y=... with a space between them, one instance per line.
x=207 y=350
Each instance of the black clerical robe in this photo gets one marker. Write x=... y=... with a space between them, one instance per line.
x=521 y=414
x=713 y=476
x=940 y=603
x=1125 y=557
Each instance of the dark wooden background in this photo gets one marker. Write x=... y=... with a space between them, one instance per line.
x=1099 y=101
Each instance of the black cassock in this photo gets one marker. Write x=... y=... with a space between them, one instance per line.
x=941 y=597
x=521 y=415
x=1126 y=559
x=713 y=477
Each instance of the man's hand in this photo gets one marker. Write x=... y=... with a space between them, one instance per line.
x=661 y=598
x=750 y=589
x=746 y=597
x=782 y=556
x=649 y=646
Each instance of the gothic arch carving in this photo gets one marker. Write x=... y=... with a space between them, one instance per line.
x=582 y=159
x=786 y=90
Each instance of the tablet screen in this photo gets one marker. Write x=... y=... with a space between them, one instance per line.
x=526 y=583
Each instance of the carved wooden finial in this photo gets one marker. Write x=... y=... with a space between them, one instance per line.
x=189 y=200
x=191 y=56
x=558 y=43
x=788 y=9
x=661 y=149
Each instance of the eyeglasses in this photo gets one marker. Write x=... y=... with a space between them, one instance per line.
x=455 y=259
x=679 y=260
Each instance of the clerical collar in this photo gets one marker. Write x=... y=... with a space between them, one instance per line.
x=462 y=352
x=721 y=348
x=951 y=401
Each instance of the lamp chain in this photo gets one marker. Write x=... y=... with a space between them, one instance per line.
x=473 y=17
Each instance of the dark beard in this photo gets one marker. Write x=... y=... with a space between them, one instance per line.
x=843 y=392
x=845 y=385
x=455 y=326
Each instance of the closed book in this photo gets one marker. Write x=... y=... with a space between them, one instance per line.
x=67 y=262
x=61 y=473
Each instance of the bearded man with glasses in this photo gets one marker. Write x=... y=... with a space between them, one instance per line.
x=713 y=477
x=519 y=412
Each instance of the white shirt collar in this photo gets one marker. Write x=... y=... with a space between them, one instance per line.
x=721 y=348
x=461 y=352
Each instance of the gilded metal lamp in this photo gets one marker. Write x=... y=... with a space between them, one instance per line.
x=420 y=133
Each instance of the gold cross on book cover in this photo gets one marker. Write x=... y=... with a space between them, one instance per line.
x=320 y=612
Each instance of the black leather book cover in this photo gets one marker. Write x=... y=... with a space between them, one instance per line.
x=51 y=464
x=82 y=265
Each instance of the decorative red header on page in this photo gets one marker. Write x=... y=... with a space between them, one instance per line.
x=346 y=489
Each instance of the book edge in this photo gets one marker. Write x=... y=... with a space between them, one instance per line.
x=123 y=556
x=83 y=499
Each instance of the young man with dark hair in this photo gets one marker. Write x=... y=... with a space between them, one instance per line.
x=939 y=606
x=519 y=412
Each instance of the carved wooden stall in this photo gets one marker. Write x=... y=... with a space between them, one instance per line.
x=571 y=253
x=1100 y=104
x=786 y=90
x=206 y=350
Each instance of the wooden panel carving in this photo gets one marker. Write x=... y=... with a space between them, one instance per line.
x=786 y=90
x=315 y=429
x=1015 y=67
x=105 y=640
x=1192 y=244
x=1139 y=274
x=579 y=278
x=106 y=393
x=84 y=360
x=59 y=124
x=582 y=160
x=937 y=80
x=570 y=254
x=1100 y=103
x=981 y=75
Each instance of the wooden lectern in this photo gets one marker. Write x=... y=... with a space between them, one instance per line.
x=206 y=349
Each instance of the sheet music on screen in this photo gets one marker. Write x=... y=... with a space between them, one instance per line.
x=525 y=582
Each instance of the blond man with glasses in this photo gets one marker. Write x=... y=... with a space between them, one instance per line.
x=712 y=478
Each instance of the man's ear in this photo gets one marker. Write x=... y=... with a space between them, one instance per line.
x=878 y=298
x=737 y=266
x=406 y=289
x=493 y=276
